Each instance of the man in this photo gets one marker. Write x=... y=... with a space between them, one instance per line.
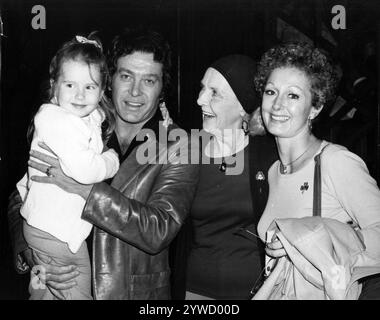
x=138 y=216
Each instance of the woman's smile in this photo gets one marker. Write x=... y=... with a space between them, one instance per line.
x=208 y=115
x=279 y=118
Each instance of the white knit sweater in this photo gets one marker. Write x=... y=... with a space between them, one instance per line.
x=77 y=143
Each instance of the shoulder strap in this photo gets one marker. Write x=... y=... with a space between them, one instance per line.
x=317 y=197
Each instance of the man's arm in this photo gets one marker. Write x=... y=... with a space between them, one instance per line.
x=152 y=225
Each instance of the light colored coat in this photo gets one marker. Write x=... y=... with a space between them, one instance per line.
x=325 y=259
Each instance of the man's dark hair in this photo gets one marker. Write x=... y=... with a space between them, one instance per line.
x=142 y=40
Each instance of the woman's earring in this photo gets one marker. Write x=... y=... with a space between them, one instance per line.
x=55 y=100
x=245 y=126
x=310 y=123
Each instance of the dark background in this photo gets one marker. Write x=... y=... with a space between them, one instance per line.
x=199 y=32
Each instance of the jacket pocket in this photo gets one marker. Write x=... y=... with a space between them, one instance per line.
x=150 y=286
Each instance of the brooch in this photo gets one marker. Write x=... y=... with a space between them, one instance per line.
x=260 y=176
x=304 y=187
x=223 y=166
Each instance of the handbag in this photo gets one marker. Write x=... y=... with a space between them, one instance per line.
x=317 y=190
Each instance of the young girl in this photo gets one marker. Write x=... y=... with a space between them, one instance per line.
x=70 y=125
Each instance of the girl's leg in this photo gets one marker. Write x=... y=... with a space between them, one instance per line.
x=58 y=254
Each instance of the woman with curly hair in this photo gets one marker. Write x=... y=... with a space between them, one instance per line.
x=296 y=81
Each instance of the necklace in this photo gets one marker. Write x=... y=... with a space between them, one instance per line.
x=285 y=167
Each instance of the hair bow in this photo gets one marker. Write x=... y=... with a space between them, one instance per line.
x=81 y=39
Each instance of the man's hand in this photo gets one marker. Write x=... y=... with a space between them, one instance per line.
x=55 y=174
x=56 y=277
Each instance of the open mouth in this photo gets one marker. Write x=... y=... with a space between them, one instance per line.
x=279 y=118
x=207 y=115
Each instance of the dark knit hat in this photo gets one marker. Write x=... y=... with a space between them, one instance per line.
x=239 y=71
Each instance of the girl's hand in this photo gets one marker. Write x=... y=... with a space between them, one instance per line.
x=54 y=173
x=275 y=249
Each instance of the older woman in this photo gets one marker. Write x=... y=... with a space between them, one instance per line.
x=222 y=264
x=296 y=81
